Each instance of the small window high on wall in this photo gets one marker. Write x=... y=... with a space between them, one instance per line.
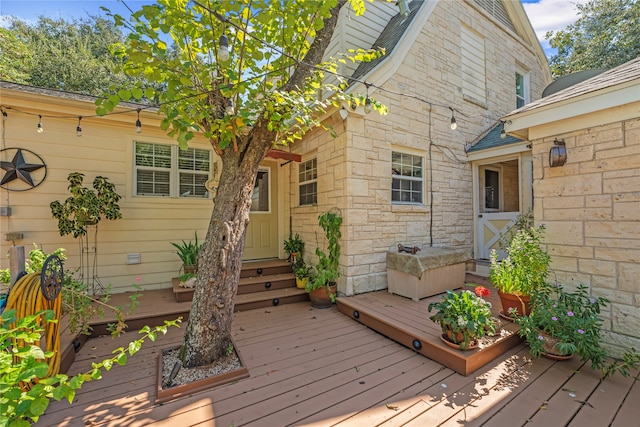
x=308 y=182
x=166 y=171
x=407 y=173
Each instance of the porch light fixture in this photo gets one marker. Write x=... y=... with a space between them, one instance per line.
x=138 y=123
x=503 y=133
x=40 y=128
x=223 y=49
x=344 y=113
x=79 y=128
x=229 y=109
x=558 y=153
x=454 y=124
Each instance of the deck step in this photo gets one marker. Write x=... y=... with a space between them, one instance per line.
x=266 y=283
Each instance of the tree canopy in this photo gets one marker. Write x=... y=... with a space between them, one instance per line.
x=73 y=55
x=606 y=34
x=246 y=75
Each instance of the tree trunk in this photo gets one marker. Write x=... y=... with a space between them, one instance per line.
x=208 y=333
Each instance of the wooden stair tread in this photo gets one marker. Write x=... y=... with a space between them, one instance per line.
x=268 y=295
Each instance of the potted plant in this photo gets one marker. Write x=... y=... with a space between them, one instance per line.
x=303 y=273
x=188 y=253
x=564 y=323
x=294 y=247
x=524 y=269
x=85 y=206
x=322 y=288
x=464 y=317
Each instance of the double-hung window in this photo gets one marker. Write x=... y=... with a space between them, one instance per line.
x=167 y=171
x=308 y=182
x=407 y=175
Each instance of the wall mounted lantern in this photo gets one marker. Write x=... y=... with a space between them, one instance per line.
x=558 y=153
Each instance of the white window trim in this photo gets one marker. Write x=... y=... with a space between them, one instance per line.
x=405 y=150
x=174 y=173
x=500 y=208
x=526 y=85
x=311 y=181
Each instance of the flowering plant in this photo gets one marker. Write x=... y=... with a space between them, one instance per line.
x=563 y=323
x=526 y=266
x=466 y=314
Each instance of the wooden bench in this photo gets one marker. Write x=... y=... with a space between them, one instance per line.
x=428 y=272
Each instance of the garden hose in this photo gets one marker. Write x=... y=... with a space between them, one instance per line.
x=27 y=299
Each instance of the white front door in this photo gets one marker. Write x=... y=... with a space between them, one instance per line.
x=262 y=232
x=492 y=225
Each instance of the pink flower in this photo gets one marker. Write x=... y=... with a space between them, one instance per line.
x=138 y=279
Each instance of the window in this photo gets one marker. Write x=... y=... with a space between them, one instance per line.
x=491 y=190
x=407 y=178
x=167 y=171
x=522 y=89
x=473 y=66
x=260 y=201
x=308 y=182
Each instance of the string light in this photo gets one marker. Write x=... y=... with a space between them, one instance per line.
x=223 y=50
x=79 y=128
x=138 y=122
x=40 y=128
x=454 y=124
x=503 y=132
x=367 y=101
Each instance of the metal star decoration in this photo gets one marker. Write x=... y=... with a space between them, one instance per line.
x=18 y=168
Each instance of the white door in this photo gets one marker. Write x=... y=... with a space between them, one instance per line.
x=492 y=225
x=262 y=231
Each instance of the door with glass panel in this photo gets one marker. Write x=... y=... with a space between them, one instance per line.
x=262 y=231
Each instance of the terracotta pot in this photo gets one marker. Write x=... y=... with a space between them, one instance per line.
x=320 y=297
x=550 y=350
x=453 y=341
x=519 y=302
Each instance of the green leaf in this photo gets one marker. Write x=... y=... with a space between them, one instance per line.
x=39 y=405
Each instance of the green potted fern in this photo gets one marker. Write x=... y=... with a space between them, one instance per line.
x=188 y=254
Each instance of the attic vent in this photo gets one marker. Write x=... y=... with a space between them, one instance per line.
x=496 y=9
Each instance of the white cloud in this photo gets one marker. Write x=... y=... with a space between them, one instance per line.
x=551 y=15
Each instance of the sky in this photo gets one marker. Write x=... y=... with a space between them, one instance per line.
x=545 y=15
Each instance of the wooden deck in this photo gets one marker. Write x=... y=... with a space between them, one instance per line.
x=407 y=322
x=317 y=367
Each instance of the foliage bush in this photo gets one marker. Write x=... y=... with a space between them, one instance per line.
x=465 y=313
x=526 y=266
x=25 y=392
x=563 y=323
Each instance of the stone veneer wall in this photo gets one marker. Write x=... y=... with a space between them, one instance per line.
x=355 y=168
x=591 y=209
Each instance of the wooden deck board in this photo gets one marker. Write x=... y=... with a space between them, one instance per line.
x=306 y=367
x=407 y=322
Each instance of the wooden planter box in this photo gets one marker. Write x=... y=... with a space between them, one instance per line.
x=167 y=394
x=181 y=294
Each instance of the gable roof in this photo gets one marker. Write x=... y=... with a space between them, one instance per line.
x=613 y=88
x=389 y=38
x=618 y=75
x=491 y=139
